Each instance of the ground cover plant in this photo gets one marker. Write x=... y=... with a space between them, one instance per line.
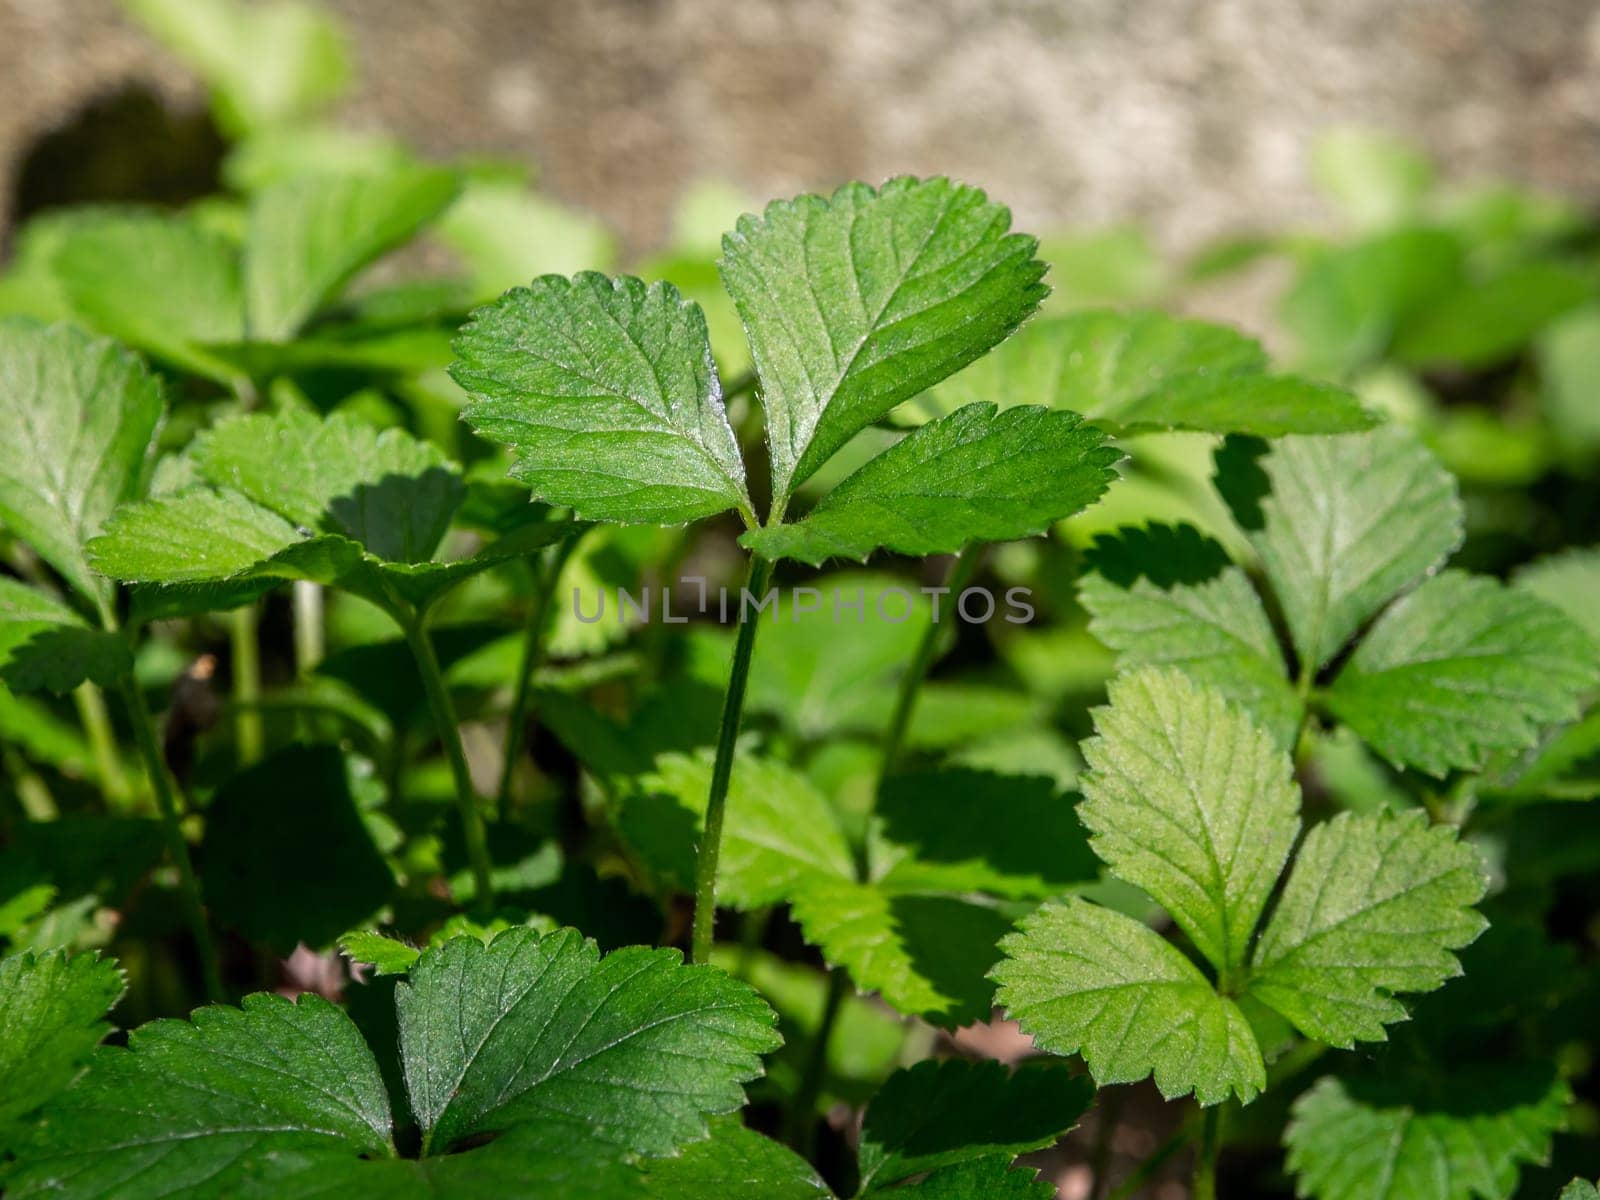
x=868 y=704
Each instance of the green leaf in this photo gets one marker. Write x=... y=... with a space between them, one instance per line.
x=633 y=1048
x=1568 y=357
x=1373 y=906
x=1166 y=596
x=1134 y=372
x=1189 y=799
x=45 y=646
x=309 y=236
x=975 y=475
x=265 y=64
x=1461 y=668
x=986 y=1179
x=77 y=417
x=1459 y=1138
x=385 y=489
x=857 y=302
x=507 y=234
x=938 y=1114
x=1570 y=580
x=386 y=955
x=1376 y=179
x=734 y=1163
x=606 y=391
x=52 y=1014
x=291 y=864
x=210 y=1096
x=1087 y=980
x=1492 y=319
x=1580 y=1189
x=779 y=829
x=164 y=284
x=1348 y=522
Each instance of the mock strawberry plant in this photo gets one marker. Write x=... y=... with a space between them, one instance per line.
x=652 y=736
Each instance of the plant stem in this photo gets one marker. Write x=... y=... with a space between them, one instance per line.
x=1110 y=1113
x=33 y=794
x=161 y=783
x=246 y=655
x=96 y=720
x=540 y=613
x=309 y=643
x=929 y=650
x=705 y=875
x=802 y=1117
x=1205 y=1163
x=444 y=719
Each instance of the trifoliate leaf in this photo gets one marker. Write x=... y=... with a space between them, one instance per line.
x=1373 y=906
x=734 y=1163
x=778 y=828
x=859 y=301
x=290 y=864
x=1462 y=1137
x=387 y=490
x=606 y=391
x=1191 y=800
x=938 y=1114
x=634 y=1048
x=45 y=646
x=52 y=1014
x=1083 y=979
x=1134 y=372
x=1348 y=522
x=386 y=955
x=309 y=236
x=164 y=284
x=1463 y=667
x=186 y=1107
x=975 y=475
x=1165 y=595
x=77 y=416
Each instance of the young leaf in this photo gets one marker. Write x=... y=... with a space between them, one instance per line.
x=77 y=416
x=607 y=393
x=633 y=1048
x=975 y=475
x=857 y=302
x=45 y=646
x=1373 y=906
x=1349 y=521
x=1461 y=668
x=1083 y=979
x=938 y=1114
x=1165 y=595
x=1189 y=799
x=52 y=1014
x=1133 y=372
x=185 y=1108
x=162 y=283
x=385 y=489
x=386 y=955
x=309 y=236
x=1460 y=1138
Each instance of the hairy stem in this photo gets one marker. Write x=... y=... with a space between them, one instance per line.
x=166 y=794
x=541 y=613
x=705 y=875
x=246 y=656
x=309 y=642
x=473 y=833
x=1205 y=1163
x=929 y=649
x=96 y=720
x=802 y=1117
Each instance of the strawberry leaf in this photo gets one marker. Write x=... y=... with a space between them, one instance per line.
x=45 y=646
x=606 y=392
x=1373 y=906
x=975 y=475
x=859 y=301
x=77 y=417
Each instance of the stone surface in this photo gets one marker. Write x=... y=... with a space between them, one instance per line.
x=1193 y=116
